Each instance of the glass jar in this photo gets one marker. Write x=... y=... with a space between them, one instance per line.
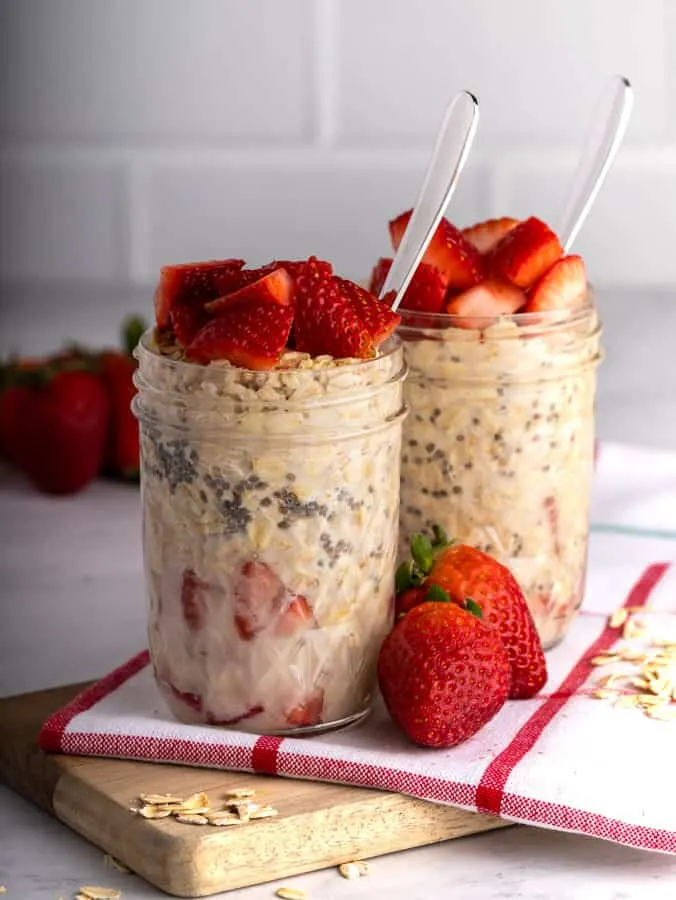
x=499 y=445
x=270 y=514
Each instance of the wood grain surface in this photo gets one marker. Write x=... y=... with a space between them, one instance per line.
x=319 y=825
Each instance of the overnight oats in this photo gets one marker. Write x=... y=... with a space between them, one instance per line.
x=502 y=343
x=270 y=404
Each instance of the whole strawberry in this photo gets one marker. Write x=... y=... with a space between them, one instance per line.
x=473 y=579
x=443 y=674
x=465 y=572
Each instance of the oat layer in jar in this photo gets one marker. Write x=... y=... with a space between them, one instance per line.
x=499 y=445
x=270 y=512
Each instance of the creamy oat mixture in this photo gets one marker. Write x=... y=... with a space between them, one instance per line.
x=270 y=523
x=498 y=449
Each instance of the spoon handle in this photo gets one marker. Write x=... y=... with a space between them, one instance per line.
x=610 y=123
x=448 y=159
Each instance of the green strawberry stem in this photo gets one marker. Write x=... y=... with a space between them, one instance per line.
x=422 y=552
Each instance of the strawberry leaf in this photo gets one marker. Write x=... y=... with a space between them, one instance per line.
x=437 y=594
x=440 y=538
x=422 y=552
x=473 y=607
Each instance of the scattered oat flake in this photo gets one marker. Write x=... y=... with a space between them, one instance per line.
x=152 y=812
x=667 y=713
x=192 y=819
x=225 y=820
x=354 y=869
x=95 y=892
x=602 y=693
x=196 y=801
x=618 y=618
x=264 y=812
x=604 y=659
x=160 y=799
x=633 y=629
x=240 y=794
x=288 y=893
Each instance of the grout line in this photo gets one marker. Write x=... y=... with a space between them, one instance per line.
x=325 y=71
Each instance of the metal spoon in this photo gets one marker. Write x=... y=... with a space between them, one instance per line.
x=609 y=126
x=448 y=159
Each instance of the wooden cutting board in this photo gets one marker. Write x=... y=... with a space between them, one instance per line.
x=319 y=825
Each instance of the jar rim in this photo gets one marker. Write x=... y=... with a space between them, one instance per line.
x=386 y=350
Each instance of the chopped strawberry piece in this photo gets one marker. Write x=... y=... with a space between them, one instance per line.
x=378 y=275
x=194 y=701
x=258 y=599
x=199 y=281
x=479 y=306
x=325 y=321
x=562 y=287
x=552 y=511
x=248 y=335
x=307 y=713
x=425 y=293
x=525 y=253
x=376 y=315
x=458 y=262
x=193 y=602
x=188 y=316
x=485 y=235
x=276 y=287
x=296 y=615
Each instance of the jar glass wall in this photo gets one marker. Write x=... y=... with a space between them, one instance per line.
x=499 y=445
x=270 y=513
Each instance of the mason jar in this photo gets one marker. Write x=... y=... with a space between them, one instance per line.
x=270 y=513
x=498 y=447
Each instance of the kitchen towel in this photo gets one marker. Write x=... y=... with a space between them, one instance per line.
x=565 y=760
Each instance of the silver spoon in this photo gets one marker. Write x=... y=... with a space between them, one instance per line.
x=448 y=160
x=609 y=126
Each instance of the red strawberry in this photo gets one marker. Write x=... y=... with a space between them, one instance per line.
x=199 y=281
x=234 y=720
x=251 y=336
x=193 y=601
x=325 y=321
x=54 y=426
x=308 y=712
x=464 y=572
x=443 y=674
x=485 y=235
x=425 y=293
x=525 y=253
x=296 y=614
x=409 y=598
x=479 y=305
x=258 y=597
x=563 y=286
x=457 y=260
x=378 y=318
x=275 y=287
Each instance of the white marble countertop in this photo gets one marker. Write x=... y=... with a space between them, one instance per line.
x=72 y=608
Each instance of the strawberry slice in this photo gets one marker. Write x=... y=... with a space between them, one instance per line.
x=308 y=712
x=258 y=599
x=376 y=315
x=561 y=287
x=199 y=281
x=276 y=287
x=425 y=293
x=295 y=616
x=193 y=601
x=251 y=336
x=525 y=253
x=485 y=235
x=452 y=254
x=479 y=306
x=188 y=316
x=325 y=321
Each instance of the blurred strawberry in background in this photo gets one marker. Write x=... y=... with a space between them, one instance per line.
x=66 y=418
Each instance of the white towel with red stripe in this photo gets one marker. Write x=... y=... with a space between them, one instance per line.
x=563 y=760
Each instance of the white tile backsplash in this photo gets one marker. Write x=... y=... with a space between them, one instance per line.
x=134 y=132
x=60 y=221
x=535 y=65
x=157 y=70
